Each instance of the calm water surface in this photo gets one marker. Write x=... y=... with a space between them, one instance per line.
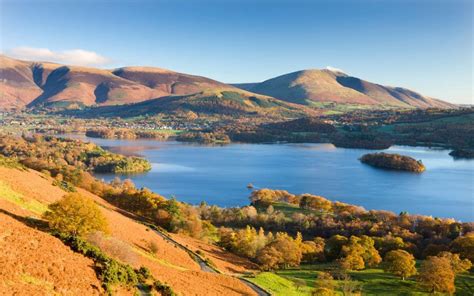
x=219 y=175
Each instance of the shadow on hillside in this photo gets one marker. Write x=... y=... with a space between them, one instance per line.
x=28 y=221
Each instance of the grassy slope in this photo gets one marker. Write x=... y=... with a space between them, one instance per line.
x=373 y=281
x=7 y=193
x=288 y=209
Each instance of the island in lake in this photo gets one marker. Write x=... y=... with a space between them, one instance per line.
x=393 y=162
x=462 y=153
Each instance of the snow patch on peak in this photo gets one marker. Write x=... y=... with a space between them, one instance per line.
x=335 y=70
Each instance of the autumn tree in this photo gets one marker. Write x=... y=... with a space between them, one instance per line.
x=269 y=257
x=333 y=246
x=464 y=246
x=459 y=265
x=388 y=243
x=314 y=202
x=371 y=255
x=437 y=275
x=324 y=285
x=75 y=214
x=400 y=263
x=248 y=242
x=349 y=287
x=282 y=252
x=313 y=251
x=359 y=253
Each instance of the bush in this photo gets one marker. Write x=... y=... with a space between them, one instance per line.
x=113 y=247
x=113 y=272
x=164 y=289
x=66 y=186
x=144 y=274
x=75 y=215
x=153 y=247
x=109 y=270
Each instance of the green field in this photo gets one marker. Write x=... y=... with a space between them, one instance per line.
x=287 y=209
x=373 y=282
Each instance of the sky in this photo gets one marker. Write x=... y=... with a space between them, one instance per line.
x=419 y=44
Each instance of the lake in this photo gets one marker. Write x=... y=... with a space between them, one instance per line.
x=219 y=175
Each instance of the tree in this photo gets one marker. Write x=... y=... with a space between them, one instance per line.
x=371 y=255
x=437 y=275
x=459 y=265
x=315 y=202
x=75 y=215
x=388 y=243
x=400 y=263
x=333 y=246
x=269 y=257
x=359 y=253
x=464 y=245
x=283 y=252
x=350 y=287
x=313 y=251
x=324 y=285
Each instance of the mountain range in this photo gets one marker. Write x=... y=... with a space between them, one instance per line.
x=25 y=84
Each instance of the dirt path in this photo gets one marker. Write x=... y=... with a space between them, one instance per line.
x=206 y=267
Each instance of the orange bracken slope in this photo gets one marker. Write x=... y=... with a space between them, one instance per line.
x=41 y=262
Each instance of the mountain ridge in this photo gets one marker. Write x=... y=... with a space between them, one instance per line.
x=31 y=84
x=324 y=85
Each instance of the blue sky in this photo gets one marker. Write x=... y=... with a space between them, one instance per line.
x=422 y=45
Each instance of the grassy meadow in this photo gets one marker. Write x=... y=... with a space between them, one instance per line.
x=373 y=281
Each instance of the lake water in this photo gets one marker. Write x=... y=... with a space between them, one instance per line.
x=219 y=175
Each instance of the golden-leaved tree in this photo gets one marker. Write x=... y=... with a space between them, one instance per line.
x=76 y=215
x=437 y=275
x=400 y=263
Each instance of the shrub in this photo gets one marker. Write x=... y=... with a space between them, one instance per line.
x=153 y=247
x=109 y=270
x=75 y=215
x=164 y=289
x=113 y=272
x=113 y=247
x=144 y=274
x=64 y=185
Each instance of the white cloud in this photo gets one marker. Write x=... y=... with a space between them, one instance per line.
x=79 y=57
x=333 y=69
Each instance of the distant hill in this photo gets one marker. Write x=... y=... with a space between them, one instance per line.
x=37 y=84
x=309 y=87
x=236 y=103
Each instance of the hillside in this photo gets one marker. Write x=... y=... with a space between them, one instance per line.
x=36 y=84
x=309 y=87
x=232 y=103
x=37 y=263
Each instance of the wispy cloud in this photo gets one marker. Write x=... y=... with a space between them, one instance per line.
x=333 y=69
x=78 y=57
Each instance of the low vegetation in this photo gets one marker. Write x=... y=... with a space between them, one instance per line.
x=393 y=162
